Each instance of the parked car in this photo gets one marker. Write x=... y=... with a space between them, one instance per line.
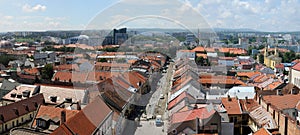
x=158 y=120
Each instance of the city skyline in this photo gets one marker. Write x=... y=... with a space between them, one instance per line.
x=269 y=16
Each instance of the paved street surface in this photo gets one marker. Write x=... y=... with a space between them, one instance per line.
x=149 y=128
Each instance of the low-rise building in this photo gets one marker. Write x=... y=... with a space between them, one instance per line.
x=20 y=112
x=196 y=121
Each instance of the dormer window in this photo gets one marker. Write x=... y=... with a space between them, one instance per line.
x=13 y=95
x=53 y=98
x=41 y=123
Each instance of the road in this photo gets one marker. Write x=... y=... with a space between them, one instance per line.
x=157 y=106
x=149 y=128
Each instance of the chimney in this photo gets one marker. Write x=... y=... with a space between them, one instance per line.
x=197 y=125
x=293 y=91
x=79 y=105
x=63 y=117
x=247 y=101
x=279 y=92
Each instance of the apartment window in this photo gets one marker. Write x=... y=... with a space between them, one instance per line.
x=13 y=124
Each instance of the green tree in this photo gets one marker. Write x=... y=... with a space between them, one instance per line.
x=47 y=72
x=200 y=61
x=4 y=59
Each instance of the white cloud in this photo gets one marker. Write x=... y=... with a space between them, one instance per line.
x=267 y=15
x=38 y=7
x=8 y=17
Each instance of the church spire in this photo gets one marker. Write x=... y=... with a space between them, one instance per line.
x=266 y=52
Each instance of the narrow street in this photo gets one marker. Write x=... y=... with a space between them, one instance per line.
x=157 y=106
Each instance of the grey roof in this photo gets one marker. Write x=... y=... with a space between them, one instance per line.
x=267 y=71
x=7 y=85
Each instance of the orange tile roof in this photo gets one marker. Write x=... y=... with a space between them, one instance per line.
x=262 y=131
x=296 y=61
x=67 y=67
x=201 y=113
x=178 y=99
x=90 y=118
x=199 y=49
x=202 y=55
x=53 y=112
x=248 y=74
x=296 y=67
x=233 y=106
x=99 y=76
x=71 y=127
x=261 y=78
x=209 y=79
x=282 y=102
x=31 y=71
x=220 y=81
x=281 y=66
x=273 y=85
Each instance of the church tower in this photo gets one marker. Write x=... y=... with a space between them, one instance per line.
x=276 y=51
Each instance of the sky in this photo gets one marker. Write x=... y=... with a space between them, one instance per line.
x=40 y=15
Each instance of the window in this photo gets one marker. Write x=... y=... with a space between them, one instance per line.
x=41 y=123
x=233 y=119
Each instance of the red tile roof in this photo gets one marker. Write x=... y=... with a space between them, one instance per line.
x=282 y=102
x=273 y=85
x=296 y=67
x=201 y=113
x=68 y=67
x=201 y=55
x=20 y=108
x=86 y=121
x=296 y=61
x=72 y=127
x=31 y=71
x=97 y=111
x=53 y=112
x=199 y=49
x=248 y=74
x=176 y=100
x=280 y=66
x=262 y=131
x=31 y=77
x=233 y=106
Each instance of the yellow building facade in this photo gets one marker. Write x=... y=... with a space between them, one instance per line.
x=271 y=60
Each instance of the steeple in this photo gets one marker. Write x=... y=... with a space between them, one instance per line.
x=266 y=51
x=276 y=51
